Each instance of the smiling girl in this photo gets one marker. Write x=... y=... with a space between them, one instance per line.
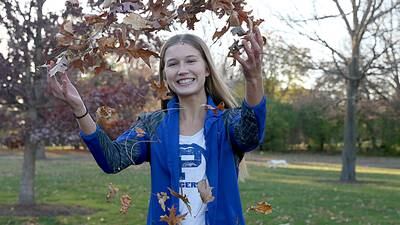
x=185 y=143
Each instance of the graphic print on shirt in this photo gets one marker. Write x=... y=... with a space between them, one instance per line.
x=192 y=165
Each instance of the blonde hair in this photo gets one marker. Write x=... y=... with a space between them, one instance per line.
x=214 y=85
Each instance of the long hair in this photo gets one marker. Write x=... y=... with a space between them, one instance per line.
x=214 y=85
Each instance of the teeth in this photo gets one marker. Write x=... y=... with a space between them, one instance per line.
x=185 y=81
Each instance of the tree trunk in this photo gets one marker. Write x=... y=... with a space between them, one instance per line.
x=40 y=151
x=27 y=192
x=348 y=173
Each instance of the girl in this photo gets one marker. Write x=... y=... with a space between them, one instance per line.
x=185 y=143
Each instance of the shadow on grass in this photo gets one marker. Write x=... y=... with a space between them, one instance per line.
x=44 y=210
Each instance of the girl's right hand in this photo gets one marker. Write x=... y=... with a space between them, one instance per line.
x=65 y=91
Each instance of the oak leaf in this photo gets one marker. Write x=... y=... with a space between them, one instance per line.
x=205 y=191
x=136 y=21
x=182 y=197
x=162 y=198
x=126 y=202
x=172 y=218
x=112 y=191
x=261 y=207
x=160 y=89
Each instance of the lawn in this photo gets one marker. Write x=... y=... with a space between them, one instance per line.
x=302 y=193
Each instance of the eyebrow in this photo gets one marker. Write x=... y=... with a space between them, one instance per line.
x=188 y=56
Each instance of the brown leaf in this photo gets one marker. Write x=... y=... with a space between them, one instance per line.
x=162 y=198
x=136 y=21
x=140 y=133
x=112 y=191
x=225 y=5
x=160 y=89
x=184 y=198
x=234 y=19
x=261 y=207
x=126 y=201
x=78 y=63
x=106 y=117
x=205 y=191
x=218 y=34
x=172 y=218
x=220 y=106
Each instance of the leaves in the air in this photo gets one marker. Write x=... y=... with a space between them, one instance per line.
x=172 y=218
x=126 y=202
x=261 y=207
x=205 y=191
x=182 y=197
x=88 y=38
x=162 y=198
x=107 y=117
x=112 y=192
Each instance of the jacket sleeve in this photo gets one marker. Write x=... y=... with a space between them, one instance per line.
x=130 y=148
x=246 y=125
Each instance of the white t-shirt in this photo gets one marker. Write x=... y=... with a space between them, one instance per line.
x=193 y=170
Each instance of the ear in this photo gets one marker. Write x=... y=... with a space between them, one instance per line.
x=207 y=71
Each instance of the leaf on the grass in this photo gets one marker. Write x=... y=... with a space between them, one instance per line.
x=112 y=191
x=184 y=198
x=172 y=218
x=140 y=133
x=136 y=21
x=261 y=207
x=61 y=66
x=205 y=191
x=160 y=89
x=162 y=198
x=126 y=202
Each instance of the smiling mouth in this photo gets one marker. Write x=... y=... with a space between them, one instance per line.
x=185 y=81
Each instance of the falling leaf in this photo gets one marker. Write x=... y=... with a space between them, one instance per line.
x=162 y=198
x=172 y=218
x=220 y=106
x=112 y=191
x=78 y=63
x=136 y=21
x=107 y=3
x=261 y=207
x=234 y=19
x=205 y=191
x=218 y=34
x=160 y=89
x=106 y=117
x=184 y=198
x=225 y=5
x=61 y=66
x=126 y=201
x=140 y=133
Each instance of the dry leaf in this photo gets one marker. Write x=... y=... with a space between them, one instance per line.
x=205 y=191
x=140 y=133
x=112 y=191
x=126 y=201
x=184 y=198
x=136 y=21
x=107 y=3
x=61 y=66
x=160 y=89
x=106 y=117
x=220 y=106
x=162 y=198
x=261 y=207
x=172 y=218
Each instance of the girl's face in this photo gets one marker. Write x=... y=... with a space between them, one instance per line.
x=185 y=70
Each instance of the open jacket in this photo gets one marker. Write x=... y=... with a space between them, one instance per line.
x=228 y=135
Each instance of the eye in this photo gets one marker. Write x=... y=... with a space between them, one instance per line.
x=172 y=63
x=191 y=60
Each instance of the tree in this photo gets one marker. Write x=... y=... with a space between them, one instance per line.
x=22 y=82
x=362 y=22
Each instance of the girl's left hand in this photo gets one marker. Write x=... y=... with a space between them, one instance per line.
x=253 y=44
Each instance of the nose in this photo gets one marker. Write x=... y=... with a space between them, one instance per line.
x=182 y=69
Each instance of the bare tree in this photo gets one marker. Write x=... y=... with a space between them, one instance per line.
x=362 y=20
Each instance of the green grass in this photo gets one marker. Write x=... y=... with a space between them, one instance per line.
x=299 y=194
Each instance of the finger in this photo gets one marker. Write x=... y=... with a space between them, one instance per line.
x=248 y=50
x=259 y=37
x=254 y=45
x=240 y=59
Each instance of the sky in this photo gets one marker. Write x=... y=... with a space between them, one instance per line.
x=270 y=11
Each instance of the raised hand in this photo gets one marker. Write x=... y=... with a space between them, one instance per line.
x=253 y=44
x=65 y=91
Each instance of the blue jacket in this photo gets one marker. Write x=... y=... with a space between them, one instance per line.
x=228 y=135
